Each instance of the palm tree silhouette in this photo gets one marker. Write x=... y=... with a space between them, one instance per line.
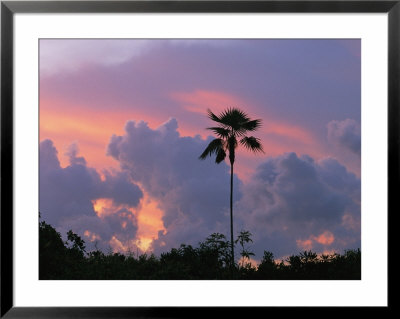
x=233 y=125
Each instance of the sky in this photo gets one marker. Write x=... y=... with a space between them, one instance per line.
x=123 y=122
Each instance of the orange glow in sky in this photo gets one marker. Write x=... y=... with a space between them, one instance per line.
x=90 y=129
x=148 y=216
x=91 y=236
x=326 y=238
x=103 y=206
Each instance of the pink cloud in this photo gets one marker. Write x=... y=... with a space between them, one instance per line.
x=304 y=244
x=326 y=238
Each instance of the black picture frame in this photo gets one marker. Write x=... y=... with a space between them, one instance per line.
x=9 y=8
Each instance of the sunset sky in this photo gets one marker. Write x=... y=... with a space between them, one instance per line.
x=123 y=122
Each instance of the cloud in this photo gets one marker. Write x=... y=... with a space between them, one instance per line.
x=296 y=203
x=65 y=192
x=193 y=194
x=293 y=85
x=61 y=55
x=346 y=134
x=325 y=239
x=72 y=153
x=291 y=203
x=69 y=55
x=282 y=76
x=119 y=187
x=66 y=197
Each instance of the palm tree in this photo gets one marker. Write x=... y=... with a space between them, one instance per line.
x=233 y=125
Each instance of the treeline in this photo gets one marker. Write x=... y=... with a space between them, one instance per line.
x=60 y=260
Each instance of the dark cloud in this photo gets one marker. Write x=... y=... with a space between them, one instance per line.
x=346 y=133
x=293 y=199
x=48 y=157
x=66 y=196
x=65 y=192
x=119 y=187
x=193 y=194
x=337 y=177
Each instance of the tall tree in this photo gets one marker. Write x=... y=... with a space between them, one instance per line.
x=232 y=127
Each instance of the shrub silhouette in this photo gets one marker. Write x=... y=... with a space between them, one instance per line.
x=68 y=260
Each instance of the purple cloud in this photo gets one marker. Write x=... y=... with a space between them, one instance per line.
x=294 y=199
x=346 y=134
x=193 y=194
x=66 y=196
x=289 y=202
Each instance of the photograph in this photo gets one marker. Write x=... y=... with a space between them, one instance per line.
x=199 y=159
x=165 y=158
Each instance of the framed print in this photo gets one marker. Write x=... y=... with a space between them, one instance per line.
x=163 y=155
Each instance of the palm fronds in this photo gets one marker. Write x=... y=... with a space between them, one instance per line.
x=220 y=131
x=233 y=123
x=213 y=148
x=252 y=143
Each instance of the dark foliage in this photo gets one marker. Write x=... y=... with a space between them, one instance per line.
x=211 y=260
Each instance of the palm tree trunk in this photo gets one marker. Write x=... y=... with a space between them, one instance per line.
x=231 y=202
